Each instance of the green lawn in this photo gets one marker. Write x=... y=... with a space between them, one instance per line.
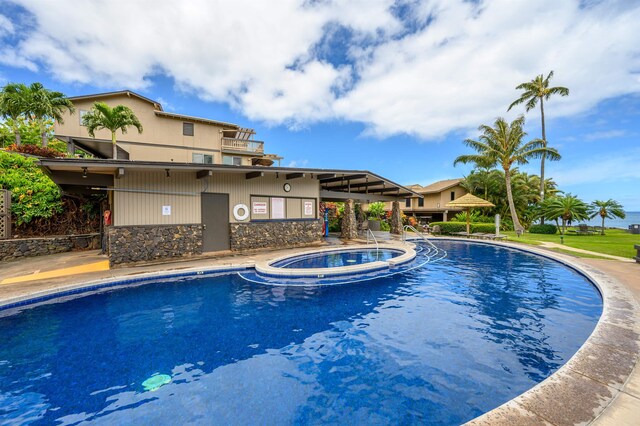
x=615 y=242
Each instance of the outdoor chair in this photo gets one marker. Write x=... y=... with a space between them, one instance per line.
x=436 y=230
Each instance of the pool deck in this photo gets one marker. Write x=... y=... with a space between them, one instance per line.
x=599 y=385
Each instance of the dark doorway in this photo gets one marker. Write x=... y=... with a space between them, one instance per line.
x=215 y=222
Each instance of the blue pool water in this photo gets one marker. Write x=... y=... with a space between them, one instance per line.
x=439 y=344
x=337 y=259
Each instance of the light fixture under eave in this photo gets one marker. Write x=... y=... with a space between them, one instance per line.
x=85 y=173
x=167 y=170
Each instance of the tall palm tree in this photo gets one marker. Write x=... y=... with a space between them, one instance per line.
x=47 y=104
x=14 y=104
x=568 y=208
x=102 y=116
x=534 y=90
x=608 y=209
x=503 y=145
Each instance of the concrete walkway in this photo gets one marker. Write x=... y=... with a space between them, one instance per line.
x=550 y=245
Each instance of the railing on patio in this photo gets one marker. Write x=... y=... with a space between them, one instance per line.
x=242 y=145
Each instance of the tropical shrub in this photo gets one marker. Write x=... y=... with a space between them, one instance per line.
x=33 y=194
x=384 y=226
x=376 y=210
x=474 y=215
x=547 y=228
x=451 y=227
x=36 y=151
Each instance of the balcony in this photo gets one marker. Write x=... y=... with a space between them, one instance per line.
x=242 y=146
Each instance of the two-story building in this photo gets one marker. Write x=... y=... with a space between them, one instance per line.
x=190 y=185
x=431 y=206
x=428 y=203
x=166 y=136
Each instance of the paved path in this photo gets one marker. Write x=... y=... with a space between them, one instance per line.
x=550 y=245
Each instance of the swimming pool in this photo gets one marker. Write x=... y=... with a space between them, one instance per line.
x=439 y=344
x=336 y=259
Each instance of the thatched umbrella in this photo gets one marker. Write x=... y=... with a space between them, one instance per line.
x=467 y=202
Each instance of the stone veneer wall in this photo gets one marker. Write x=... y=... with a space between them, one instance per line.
x=31 y=247
x=128 y=244
x=254 y=235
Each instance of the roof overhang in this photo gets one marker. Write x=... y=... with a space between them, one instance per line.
x=101 y=148
x=335 y=185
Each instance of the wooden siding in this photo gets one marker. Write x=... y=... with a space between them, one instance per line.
x=182 y=191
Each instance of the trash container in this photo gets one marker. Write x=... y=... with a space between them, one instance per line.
x=634 y=229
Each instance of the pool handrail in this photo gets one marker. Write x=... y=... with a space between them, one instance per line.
x=374 y=240
x=424 y=237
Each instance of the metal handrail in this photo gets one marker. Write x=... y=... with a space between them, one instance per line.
x=424 y=237
x=374 y=240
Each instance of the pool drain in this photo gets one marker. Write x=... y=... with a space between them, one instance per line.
x=154 y=383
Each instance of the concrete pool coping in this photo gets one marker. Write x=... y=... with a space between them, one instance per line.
x=600 y=383
x=264 y=267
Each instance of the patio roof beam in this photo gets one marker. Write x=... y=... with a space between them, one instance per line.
x=325 y=176
x=341 y=178
x=84 y=179
x=253 y=175
x=291 y=176
x=356 y=185
x=201 y=174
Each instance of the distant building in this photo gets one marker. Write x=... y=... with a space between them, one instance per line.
x=167 y=137
x=431 y=207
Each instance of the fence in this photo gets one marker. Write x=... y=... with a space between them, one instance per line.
x=5 y=214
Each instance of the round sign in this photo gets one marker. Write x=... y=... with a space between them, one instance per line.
x=286 y=187
x=240 y=212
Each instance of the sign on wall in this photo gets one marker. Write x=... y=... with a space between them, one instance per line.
x=166 y=210
x=308 y=208
x=260 y=207
x=277 y=208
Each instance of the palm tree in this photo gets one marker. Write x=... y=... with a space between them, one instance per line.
x=607 y=210
x=102 y=116
x=44 y=104
x=534 y=90
x=14 y=103
x=503 y=145
x=568 y=208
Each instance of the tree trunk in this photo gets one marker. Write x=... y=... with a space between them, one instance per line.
x=602 y=231
x=16 y=133
x=512 y=208
x=115 y=146
x=544 y=156
x=45 y=139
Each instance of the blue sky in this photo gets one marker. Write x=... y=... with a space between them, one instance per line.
x=389 y=86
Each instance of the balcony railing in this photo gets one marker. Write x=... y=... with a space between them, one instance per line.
x=242 y=145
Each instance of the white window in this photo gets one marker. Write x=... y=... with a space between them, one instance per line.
x=231 y=160
x=202 y=158
x=81 y=114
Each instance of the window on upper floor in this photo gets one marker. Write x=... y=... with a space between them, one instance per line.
x=202 y=158
x=81 y=114
x=453 y=195
x=231 y=160
x=407 y=202
x=187 y=129
x=420 y=202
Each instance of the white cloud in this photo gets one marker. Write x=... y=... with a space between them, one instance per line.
x=615 y=168
x=267 y=59
x=298 y=163
x=606 y=134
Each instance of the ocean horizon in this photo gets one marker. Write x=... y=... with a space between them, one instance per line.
x=630 y=219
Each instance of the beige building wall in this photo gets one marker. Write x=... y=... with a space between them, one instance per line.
x=162 y=138
x=139 y=196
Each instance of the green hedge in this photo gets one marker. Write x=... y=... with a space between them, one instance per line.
x=543 y=229
x=451 y=227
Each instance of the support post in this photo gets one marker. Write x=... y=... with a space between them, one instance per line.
x=349 y=224
x=396 y=218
